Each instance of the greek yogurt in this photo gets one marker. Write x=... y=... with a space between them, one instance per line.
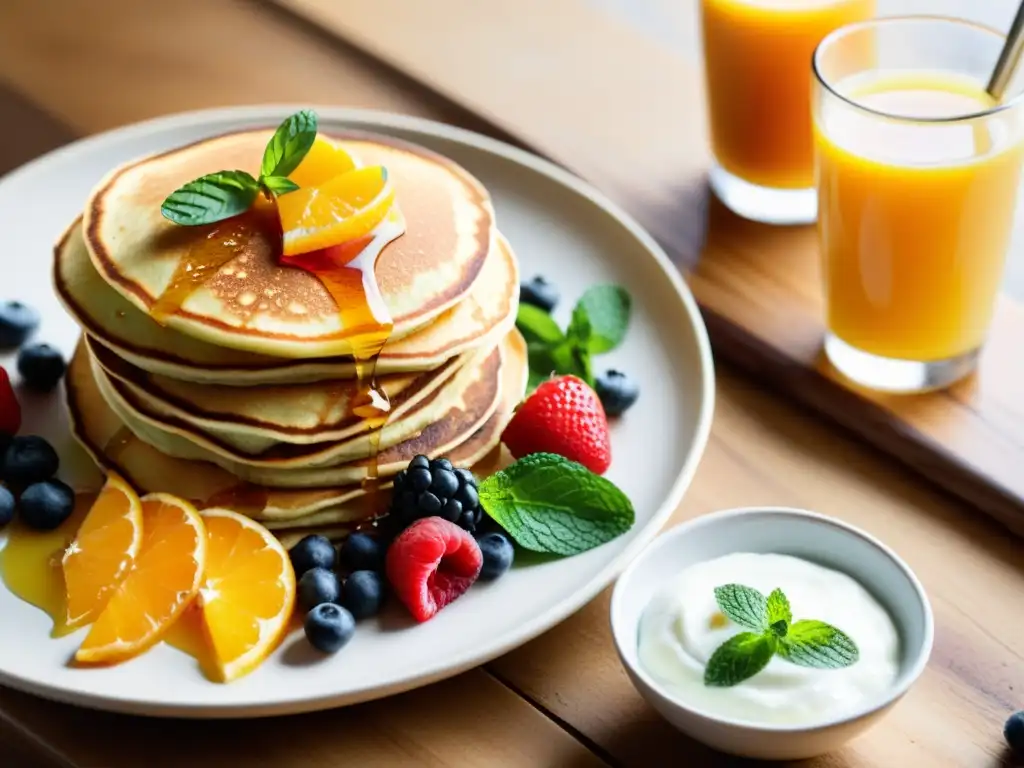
x=682 y=626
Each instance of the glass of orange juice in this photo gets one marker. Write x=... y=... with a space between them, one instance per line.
x=758 y=84
x=918 y=173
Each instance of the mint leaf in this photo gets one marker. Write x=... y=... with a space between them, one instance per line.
x=745 y=606
x=536 y=325
x=580 y=329
x=607 y=308
x=210 y=198
x=561 y=359
x=547 y=503
x=819 y=645
x=278 y=185
x=779 y=628
x=289 y=144
x=778 y=608
x=738 y=658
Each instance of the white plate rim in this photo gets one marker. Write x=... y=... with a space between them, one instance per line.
x=368 y=119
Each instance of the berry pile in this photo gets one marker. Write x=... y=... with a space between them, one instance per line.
x=337 y=588
x=617 y=391
x=28 y=463
x=427 y=552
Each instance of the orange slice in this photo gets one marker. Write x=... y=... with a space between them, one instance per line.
x=102 y=552
x=323 y=162
x=345 y=208
x=161 y=584
x=248 y=594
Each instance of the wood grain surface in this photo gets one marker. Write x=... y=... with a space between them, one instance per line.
x=561 y=700
x=628 y=115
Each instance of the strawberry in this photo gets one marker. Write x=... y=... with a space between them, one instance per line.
x=562 y=416
x=432 y=563
x=10 y=408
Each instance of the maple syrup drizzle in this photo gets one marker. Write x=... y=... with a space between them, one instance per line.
x=223 y=242
x=347 y=272
x=31 y=563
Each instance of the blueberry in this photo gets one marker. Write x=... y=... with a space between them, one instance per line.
x=363 y=594
x=312 y=552
x=329 y=627
x=6 y=506
x=498 y=555
x=419 y=479
x=1013 y=732
x=29 y=459
x=444 y=483
x=617 y=392
x=452 y=511
x=17 y=321
x=44 y=506
x=539 y=292
x=419 y=461
x=318 y=585
x=41 y=366
x=362 y=552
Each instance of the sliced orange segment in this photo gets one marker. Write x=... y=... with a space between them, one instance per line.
x=248 y=594
x=102 y=552
x=323 y=162
x=347 y=207
x=163 y=581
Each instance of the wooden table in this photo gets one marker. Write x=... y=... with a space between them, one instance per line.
x=73 y=67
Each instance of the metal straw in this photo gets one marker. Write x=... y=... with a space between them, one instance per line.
x=1009 y=57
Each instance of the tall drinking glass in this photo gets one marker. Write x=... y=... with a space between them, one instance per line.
x=758 y=84
x=918 y=172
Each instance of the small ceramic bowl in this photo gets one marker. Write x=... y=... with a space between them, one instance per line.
x=808 y=535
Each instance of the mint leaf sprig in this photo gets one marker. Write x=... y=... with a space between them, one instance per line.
x=598 y=325
x=221 y=195
x=807 y=643
x=550 y=504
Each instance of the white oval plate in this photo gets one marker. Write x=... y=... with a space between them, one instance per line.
x=558 y=226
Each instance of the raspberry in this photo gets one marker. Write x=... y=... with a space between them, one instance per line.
x=431 y=564
x=10 y=408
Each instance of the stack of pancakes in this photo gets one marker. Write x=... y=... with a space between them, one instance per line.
x=244 y=394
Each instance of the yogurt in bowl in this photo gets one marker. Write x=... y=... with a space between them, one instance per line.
x=826 y=627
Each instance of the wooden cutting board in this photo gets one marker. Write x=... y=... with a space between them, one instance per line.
x=586 y=91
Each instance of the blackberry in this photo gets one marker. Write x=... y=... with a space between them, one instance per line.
x=434 y=488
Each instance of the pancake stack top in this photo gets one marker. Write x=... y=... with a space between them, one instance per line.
x=211 y=368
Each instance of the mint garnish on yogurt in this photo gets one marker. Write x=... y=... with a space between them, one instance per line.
x=772 y=632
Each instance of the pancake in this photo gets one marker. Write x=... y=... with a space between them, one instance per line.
x=480 y=319
x=448 y=414
x=114 y=447
x=253 y=419
x=252 y=302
